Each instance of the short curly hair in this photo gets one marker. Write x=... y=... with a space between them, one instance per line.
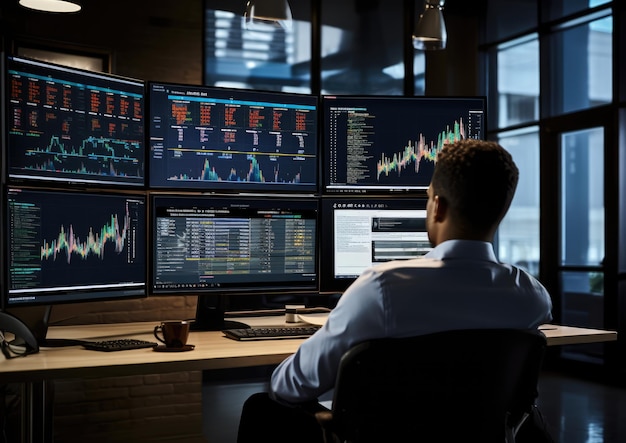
x=478 y=180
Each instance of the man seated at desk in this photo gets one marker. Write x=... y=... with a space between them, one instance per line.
x=458 y=285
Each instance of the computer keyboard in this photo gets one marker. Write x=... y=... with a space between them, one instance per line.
x=120 y=344
x=271 y=333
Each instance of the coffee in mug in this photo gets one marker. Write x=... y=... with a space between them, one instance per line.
x=173 y=334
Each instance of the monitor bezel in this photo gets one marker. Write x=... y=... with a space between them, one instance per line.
x=68 y=295
x=254 y=288
x=329 y=283
x=80 y=181
x=327 y=188
x=221 y=187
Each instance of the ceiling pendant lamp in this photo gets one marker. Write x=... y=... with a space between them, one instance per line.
x=52 y=5
x=430 y=30
x=263 y=13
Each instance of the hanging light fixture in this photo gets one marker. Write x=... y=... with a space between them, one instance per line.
x=275 y=13
x=430 y=31
x=52 y=5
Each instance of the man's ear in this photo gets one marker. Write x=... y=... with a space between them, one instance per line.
x=440 y=208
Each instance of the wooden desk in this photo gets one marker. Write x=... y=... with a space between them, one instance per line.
x=570 y=335
x=212 y=351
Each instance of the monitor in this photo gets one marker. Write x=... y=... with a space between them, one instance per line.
x=382 y=144
x=66 y=126
x=359 y=232
x=213 y=246
x=208 y=138
x=63 y=246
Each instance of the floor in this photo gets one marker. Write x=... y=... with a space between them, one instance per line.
x=576 y=409
x=582 y=411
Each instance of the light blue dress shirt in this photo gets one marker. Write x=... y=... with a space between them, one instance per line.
x=458 y=285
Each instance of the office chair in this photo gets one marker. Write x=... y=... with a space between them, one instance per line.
x=453 y=386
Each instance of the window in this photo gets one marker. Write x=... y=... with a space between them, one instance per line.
x=507 y=18
x=581 y=65
x=562 y=8
x=270 y=58
x=550 y=83
x=582 y=197
x=518 y=235
x=360 y=49
x=518 y=81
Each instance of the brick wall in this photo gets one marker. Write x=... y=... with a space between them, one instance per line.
x=138 y=408
x=155 y=407
x=155 y=308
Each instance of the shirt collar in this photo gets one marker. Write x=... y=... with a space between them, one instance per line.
x=463 y=249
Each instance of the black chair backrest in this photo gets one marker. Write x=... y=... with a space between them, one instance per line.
x=452 y=386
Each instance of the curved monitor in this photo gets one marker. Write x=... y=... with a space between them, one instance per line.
x=208 y=138
x=359 y=232
x=66 y=125
x=66 y=246
x=378 y=144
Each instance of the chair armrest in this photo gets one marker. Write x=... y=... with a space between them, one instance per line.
x=325 y=419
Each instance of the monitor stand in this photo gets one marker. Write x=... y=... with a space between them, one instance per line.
x=210 y=310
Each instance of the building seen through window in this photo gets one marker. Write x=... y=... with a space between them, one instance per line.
x=360 y=50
